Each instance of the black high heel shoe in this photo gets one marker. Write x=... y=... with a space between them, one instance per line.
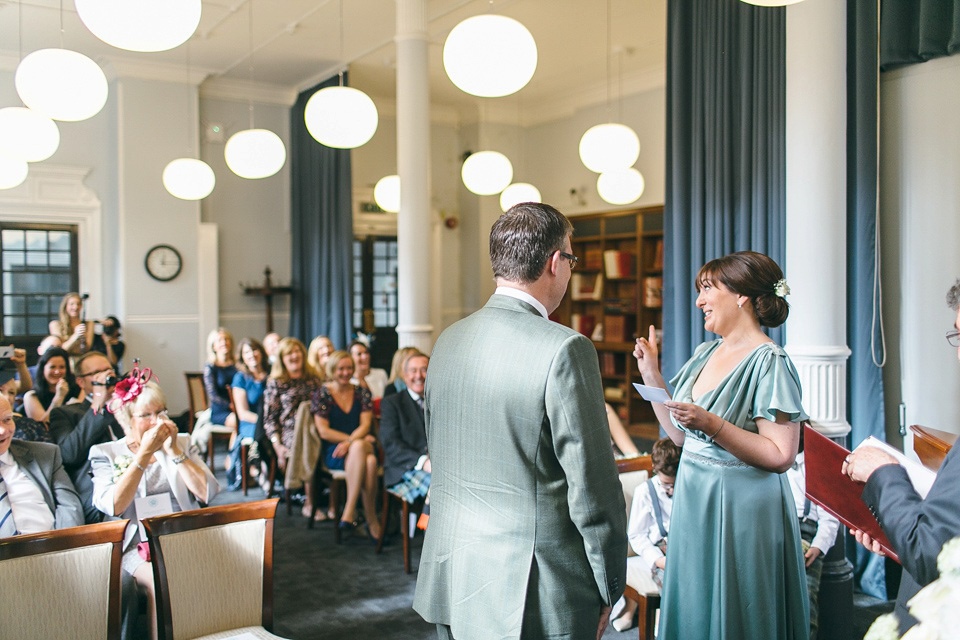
x=347 y=527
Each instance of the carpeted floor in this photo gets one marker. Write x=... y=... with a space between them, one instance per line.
x=347 y=592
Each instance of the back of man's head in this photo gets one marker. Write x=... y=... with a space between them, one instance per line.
x=953 y=296
x=523 y=238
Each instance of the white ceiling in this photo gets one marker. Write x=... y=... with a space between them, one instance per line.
x=296 y=44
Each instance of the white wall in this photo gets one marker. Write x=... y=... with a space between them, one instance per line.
x=920 y=224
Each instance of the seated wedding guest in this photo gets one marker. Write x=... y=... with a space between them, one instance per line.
x=77 y=427
x=343 y=413
x=53 y=386
x=247 y=388
x=76 y=334
x=916 y=527
x=292 y=381
x=17 y=364
x=818 y=532
x=623 y=445
x=374 y=380
x=36 y=493
x=152 y=459
x=648 y=527
x=218 y=374
x=406 y=471
x=317 y=353
x=46 y=343
x=26 y=429
x=106 y=340
x=395 y=382
x=271 y=344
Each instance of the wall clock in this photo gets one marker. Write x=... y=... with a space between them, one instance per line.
x=163 y=262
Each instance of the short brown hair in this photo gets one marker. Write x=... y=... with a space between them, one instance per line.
x=78 y=367
x=666 y=457
x=953 y=296
x=523 y=238
x=750 y=274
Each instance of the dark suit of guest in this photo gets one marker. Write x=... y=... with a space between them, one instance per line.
x=41 y=462
x=75 y=428
x=917 y=527
x=403 y=435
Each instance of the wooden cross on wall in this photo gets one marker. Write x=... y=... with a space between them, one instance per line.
x=267 y=290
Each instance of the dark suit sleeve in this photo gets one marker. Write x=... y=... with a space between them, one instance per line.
x=69 y=511
x=400 y=455
x=75 y=441
x=917 y=527
x=581 y=438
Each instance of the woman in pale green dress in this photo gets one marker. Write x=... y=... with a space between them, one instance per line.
x=734 y=567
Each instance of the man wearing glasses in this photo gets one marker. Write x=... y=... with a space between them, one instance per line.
x=527 y=521
x=917 y=527
x=77 y=427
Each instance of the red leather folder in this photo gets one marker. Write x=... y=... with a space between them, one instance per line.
x=835 y=492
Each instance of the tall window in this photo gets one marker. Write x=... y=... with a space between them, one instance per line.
x=39 y=265
x=375 y=293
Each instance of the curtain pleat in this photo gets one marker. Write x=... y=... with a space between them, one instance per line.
x=321 y=222
x=917 y=30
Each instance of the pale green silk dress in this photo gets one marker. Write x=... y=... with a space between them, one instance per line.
x=734 y=566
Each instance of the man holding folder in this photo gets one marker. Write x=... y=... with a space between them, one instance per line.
x=917 y=527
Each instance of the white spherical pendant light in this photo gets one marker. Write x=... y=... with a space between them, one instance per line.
x=13 y=171
x=518 y=192
x=141 y=25
x=255 y=153
x=61 y=84
x=189 y=178
x=771 y=3
x=621 y=186
x=486 y=173
x=606 y=147
x=341 y=117
x=387 y=193
x=26 y=134
x=490 y=56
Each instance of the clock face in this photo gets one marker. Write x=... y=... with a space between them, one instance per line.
x=163 y=262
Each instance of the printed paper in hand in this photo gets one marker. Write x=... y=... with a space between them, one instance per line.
x=920 y=477
x=652 y=394
x=149 y=506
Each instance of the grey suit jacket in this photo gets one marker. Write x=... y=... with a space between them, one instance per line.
x=41 y=461
x=527 y=520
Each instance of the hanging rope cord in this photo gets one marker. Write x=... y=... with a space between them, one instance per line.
x=876 y=321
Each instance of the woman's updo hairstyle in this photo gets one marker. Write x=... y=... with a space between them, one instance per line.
x=751 y=274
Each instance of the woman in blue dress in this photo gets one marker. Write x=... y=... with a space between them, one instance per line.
x=247 y=390
x=734 y=568
x=343 y=413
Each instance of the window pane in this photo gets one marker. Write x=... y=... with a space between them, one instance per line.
x=59 y=240
x=379 y=249
x=13 y=304
x=58 y=283
x=379 y=318
x=37 y=305
x=14 y=326
x=59 y=259
x=37 y=240
x=12 y=239
x=36 y=259
x=12 y=259
x=54 y=306
x=37 y=326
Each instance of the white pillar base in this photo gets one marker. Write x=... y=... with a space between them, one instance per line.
x=823 y=379
x=415 y=335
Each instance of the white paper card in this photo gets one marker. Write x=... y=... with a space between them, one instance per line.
x=652 y=394
x=149 y=506
x=246 y=635
x=920 y=477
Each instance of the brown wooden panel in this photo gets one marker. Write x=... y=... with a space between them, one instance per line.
x=931 y=445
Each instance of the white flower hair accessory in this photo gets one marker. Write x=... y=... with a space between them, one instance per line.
x=781 y=289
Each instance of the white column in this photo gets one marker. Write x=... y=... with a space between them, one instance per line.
x=816 y=235
x=413 y=165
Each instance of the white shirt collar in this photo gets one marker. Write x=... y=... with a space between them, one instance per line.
x=522 y=295
x=413 y=394
x=7 y=458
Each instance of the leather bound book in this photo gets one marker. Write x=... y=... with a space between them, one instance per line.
x=835 y=492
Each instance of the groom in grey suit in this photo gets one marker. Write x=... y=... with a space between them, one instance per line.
x=527 y=533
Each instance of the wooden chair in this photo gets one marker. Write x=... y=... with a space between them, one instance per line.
x=197 y=394
x=647 y=603
x=406 y=532
x=64 y=582
x=213 y=570
x=244 y=445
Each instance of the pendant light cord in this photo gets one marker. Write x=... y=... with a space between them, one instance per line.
x=607 y=54
x=250 y=66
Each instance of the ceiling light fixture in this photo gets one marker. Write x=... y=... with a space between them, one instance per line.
x=621 y=186
x=189 y=178
x=518 y=192
x=141 y=25
x=13 y=171
x=771 y=3
x=486 y=173
x=27 y=134
x=490 y=56
x=61 y=84
x=386 y=193
x=341 y=117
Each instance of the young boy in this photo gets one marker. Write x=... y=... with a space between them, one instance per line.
x=648 y=527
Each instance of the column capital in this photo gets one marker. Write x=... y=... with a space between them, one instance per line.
x=411 y=20
x=823 y=381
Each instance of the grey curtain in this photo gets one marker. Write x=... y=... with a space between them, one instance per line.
x=725 y=175
x=321 y=221
x=918 y=30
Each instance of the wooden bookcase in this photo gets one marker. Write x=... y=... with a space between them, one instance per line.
x=615 y=294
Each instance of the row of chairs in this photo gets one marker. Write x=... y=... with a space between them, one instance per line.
x=212 y=568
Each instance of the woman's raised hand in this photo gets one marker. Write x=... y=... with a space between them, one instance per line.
x=647 y=354
x=63 y=388
x=154 y=438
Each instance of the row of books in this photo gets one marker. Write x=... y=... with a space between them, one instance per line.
x=614 y=328
x=620 y=263
x=585 y=287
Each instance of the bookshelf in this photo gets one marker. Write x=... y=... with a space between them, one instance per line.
x=615 y=293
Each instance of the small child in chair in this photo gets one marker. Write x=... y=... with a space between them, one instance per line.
x=648 y=527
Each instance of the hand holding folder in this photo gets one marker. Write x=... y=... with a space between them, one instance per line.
x=835 y=492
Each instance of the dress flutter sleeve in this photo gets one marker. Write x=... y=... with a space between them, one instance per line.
x=778 y=388
x=321 y=402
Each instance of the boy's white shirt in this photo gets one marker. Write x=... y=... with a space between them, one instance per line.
x=642 y=529
x=827 y=525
